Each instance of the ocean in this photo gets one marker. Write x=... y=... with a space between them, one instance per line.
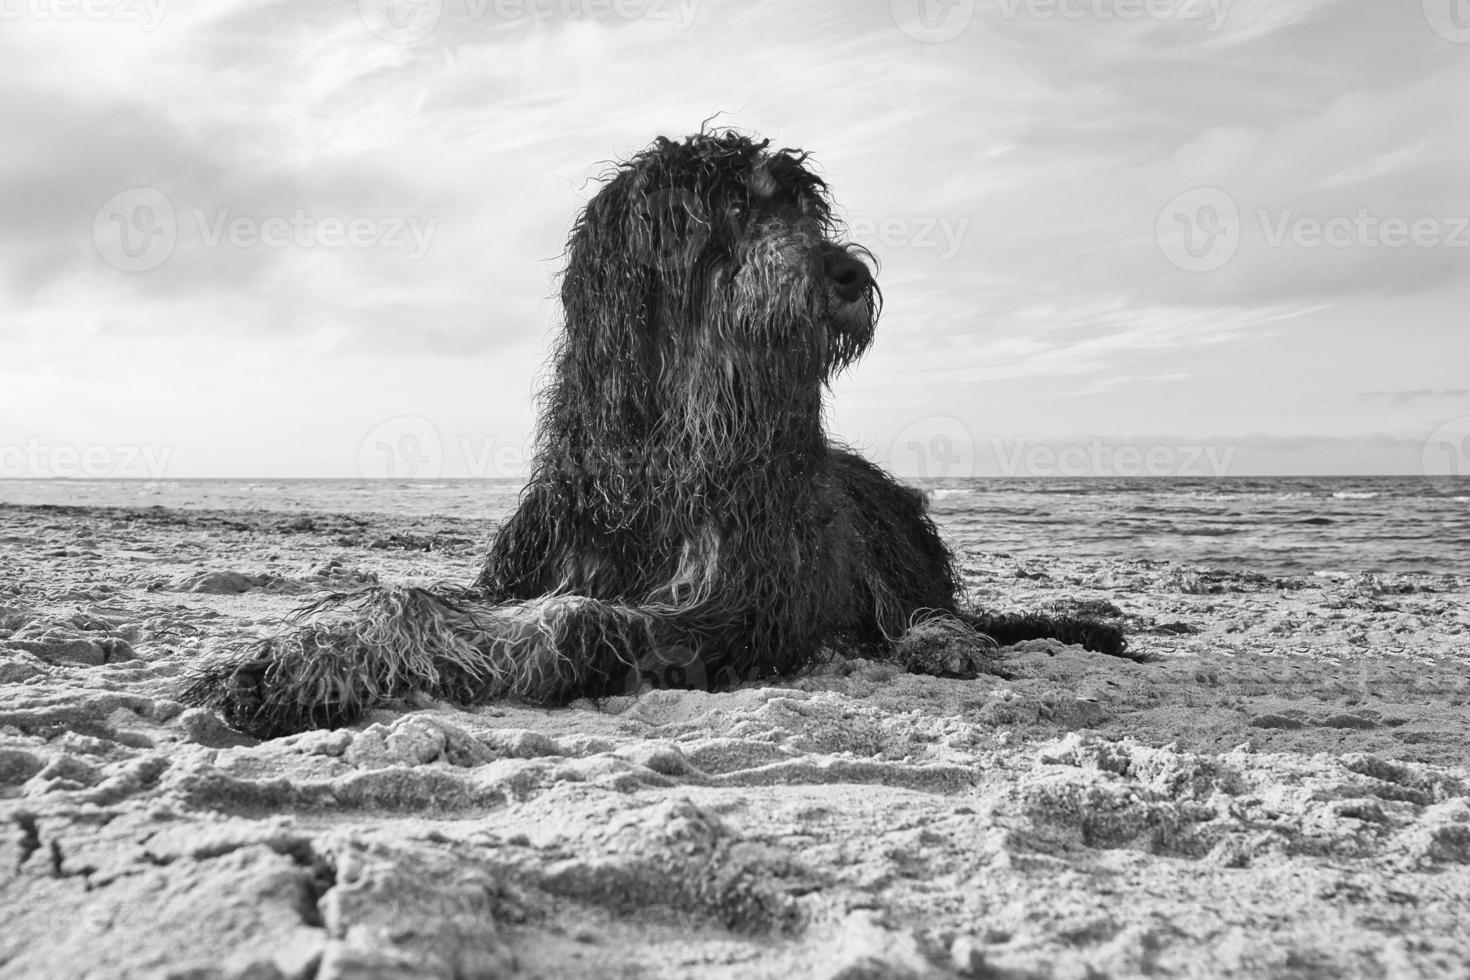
x=1272 y=525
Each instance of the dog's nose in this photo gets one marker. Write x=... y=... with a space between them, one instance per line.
x=849 y=276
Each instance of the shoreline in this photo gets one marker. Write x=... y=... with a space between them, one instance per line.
x=1384 y=526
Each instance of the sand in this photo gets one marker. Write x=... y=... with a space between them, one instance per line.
x=1282 y=792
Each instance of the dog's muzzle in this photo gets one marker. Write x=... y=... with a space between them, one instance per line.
x=847 y=276
x=849 y=288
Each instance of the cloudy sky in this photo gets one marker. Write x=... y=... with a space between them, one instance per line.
x=320 y=237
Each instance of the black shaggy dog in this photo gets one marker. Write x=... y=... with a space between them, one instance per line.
x=687 y=520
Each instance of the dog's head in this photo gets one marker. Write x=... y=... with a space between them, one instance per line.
x=714 y=265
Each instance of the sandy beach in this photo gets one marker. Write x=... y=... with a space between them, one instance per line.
x=1280 y=792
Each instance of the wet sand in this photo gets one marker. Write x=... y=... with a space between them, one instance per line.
x=1283 y=791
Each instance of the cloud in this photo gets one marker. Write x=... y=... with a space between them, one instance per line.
x=1108 y=340
x=1039 y=150
x=1418 y=395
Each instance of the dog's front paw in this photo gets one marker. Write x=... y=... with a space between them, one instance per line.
x=1105 y=638
x=945 y=647
x=254 y=691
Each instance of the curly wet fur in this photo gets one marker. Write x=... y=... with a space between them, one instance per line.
x=687 y=520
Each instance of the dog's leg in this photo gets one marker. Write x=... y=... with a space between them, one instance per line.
x=910 y=573
x=898 y=553
x=343 y=654
x=347 y=654
x=1008 y=628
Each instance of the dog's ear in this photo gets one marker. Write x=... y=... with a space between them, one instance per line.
x=608 y=357
x=603 y=286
